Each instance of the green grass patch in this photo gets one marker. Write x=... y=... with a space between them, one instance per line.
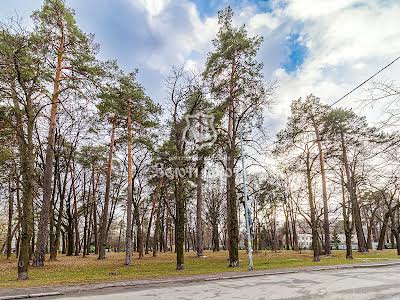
x=74 y=270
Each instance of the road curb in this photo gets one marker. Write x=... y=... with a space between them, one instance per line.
x=311 y=269
x=36 y=295
x=81 y=288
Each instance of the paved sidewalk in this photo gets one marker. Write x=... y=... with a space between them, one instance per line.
x=21 y=293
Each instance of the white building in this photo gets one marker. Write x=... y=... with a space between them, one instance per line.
x=305 y=240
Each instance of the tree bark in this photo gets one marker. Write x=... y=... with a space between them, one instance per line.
x=139 y=231
x=147 y=245
x=27 y=170
x=62 y=191
x=179 y=225
x=129 y=202
x=395 y=228
x=327 y=241
x=19 y=210
x=370 y=226
x=382 y=234
x=162 y=229
x=70 y=225
x=232 y=218
x=362 y=244
x=153 y=211
x=348 y=228
x=52 y=206
x=295 y=241
x=286 y=228
x=43 y=229
x=75 y=216
x=314 y=226
x=86 y=215
x=214 y=222
x=199 y=208
x=94 y=212
x=10 y=217
x=157 y=228
x=104 y=216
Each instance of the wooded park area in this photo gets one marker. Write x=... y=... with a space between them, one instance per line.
x=92 y=168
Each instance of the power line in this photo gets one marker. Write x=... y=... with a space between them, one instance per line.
x=364 y=82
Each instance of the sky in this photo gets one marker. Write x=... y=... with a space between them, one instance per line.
x=324 y=47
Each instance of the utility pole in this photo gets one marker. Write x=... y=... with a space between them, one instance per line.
x=246 y=206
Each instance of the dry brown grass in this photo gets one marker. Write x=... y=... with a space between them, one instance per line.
x=72 y=270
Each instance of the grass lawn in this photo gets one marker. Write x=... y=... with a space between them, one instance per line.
x=69 y=270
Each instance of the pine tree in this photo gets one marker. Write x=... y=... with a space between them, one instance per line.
x=22 y=78
x=348 y=130
x=236 y=80
x=71 y=61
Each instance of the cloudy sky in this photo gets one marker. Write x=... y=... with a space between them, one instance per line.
x=324 y=47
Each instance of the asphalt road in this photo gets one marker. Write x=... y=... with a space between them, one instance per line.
x=363 y=283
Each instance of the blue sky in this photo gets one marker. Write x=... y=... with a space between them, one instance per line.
x=209 y=8
x=297 y=53
x=310 y=46
x=125 y=33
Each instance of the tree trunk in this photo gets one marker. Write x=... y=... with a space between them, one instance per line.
x=120 y=232
x=153 y=211
x=371 y=225
x=383 y=231
x=43 y=229
x=70 y=237
x=199 y=208
x=94 y=212
x=10 y=217
x=232 y=218
x=86 y=215
x=215 y=236
x=395 y=230
x=295 y=240
x=64 y=243
x=149 y=225
x=165 y=236
x=89 y=232
x=362 y=244
x=70 y=225
x=62 y=190
x=348 y=227
x=162 y=228
x=139 y=232
x=104 y=216
x=85 y=233
x=314 y=226
x=129 y=202
x=19 y=209
x=52 y=206
x=286 y=227
x=179 y=225
x=327 y=241
x=27 y=168
x=397 y=237
x=75 y=216
x=157 y=228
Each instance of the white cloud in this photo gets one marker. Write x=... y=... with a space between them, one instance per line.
x=346 y=40
x=344 y=49
x=181 y=31
x=265 y=21
x=309 y=9
x=153 y=7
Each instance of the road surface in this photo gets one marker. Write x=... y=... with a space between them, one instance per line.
x=362 y=283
